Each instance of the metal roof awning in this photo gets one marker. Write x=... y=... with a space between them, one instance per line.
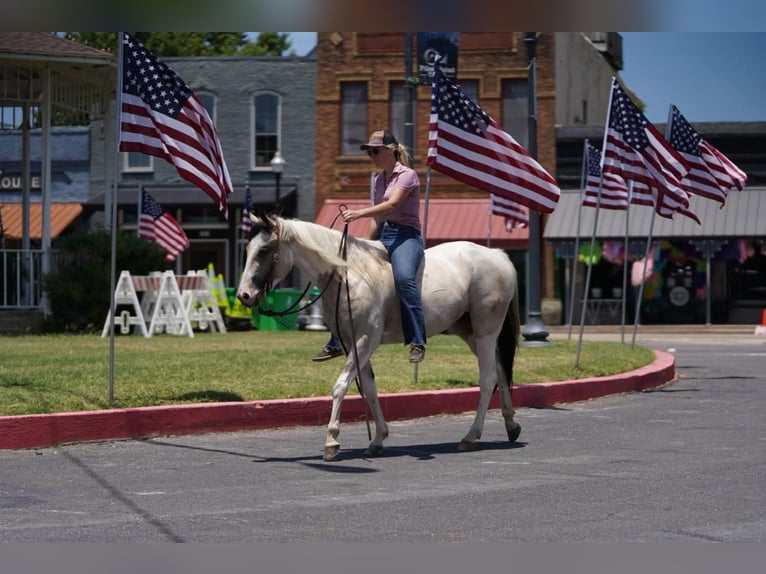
x=743 y=215
x=187 y=195
x=448 y=220
x=62 y=215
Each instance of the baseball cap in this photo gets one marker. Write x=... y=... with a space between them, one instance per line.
x=380 y=138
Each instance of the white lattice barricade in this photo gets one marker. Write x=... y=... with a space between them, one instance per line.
x=126 y=294
x=199 y=302
x=161 y=308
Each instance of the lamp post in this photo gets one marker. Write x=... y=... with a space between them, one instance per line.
x=534 y=332
x=277 y=164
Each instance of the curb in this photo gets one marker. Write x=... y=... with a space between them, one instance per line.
x=39 y=431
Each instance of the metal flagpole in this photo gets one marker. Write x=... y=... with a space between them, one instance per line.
x=595 y=224
x=586 y=289
x=573 y=278
x=113 y=259
x=625 y=261
x=643 y=274
x=489 y=220
x=668 y=126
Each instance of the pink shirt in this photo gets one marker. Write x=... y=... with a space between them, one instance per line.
x=402 y=178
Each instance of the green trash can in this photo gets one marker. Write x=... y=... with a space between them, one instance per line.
x=280 y=300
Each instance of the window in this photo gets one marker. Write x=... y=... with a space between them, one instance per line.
x=136 y=161
x=208 y=100
x=266 y=128
x=399 y=99
x=516 y=110
x=353 y=118
x=471 y=89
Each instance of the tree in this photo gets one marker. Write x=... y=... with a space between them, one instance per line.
x=170 y=44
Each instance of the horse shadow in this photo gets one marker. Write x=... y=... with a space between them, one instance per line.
x=421 y=452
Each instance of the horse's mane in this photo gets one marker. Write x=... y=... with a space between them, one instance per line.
x=363 y=255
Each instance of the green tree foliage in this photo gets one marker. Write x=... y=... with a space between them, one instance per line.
x=170 y=44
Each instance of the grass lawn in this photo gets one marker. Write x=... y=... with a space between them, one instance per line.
x=63 y=373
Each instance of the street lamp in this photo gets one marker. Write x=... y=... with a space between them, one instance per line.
x=534 y=331
x=277 y=164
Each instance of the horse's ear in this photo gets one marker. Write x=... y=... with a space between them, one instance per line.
x=262 y=222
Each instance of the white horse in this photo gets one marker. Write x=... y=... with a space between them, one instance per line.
x=467 y=290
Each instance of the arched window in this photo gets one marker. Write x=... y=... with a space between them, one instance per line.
x=208 y=100
x=266 y=128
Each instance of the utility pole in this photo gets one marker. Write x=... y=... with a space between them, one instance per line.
x=534 y=332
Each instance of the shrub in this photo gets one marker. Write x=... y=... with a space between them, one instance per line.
x=79 y=288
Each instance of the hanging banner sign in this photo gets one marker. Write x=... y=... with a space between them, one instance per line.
x=435 y=47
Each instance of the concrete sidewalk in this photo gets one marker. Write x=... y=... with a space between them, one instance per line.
x=39 y=431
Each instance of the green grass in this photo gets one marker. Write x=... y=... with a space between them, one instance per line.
x=63 y=373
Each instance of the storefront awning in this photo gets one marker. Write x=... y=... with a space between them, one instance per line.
x=448 y=220
x=743 y=215
x=62 y=215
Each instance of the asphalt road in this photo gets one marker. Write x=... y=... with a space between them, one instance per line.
x=684 y=462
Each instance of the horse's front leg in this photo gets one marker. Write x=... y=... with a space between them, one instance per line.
x=484 y=348
x=339 y=390
x=370 y=391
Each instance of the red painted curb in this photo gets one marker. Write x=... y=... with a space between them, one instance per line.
x=35 y=431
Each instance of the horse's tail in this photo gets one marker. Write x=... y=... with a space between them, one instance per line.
x=508 y=341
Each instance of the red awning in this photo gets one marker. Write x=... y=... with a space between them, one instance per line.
x=448 y=220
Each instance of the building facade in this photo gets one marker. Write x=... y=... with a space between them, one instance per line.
x=361 y=87
x=260 y=105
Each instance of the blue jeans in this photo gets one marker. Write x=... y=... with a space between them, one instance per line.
x=405 y=250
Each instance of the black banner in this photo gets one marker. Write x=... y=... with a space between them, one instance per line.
x=435 y=47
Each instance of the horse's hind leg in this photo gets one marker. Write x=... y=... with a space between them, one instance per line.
x=371 y=396
x=484 y=349
x=506 y=406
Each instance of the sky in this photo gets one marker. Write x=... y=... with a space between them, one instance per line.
x=708 y=76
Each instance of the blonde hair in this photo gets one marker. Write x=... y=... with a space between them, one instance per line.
x=401 y=154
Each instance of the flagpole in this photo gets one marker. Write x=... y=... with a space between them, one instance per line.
x=573 y=277
x=641 y=285
x=595 y=224
x=590 y=269
x=625 y=262
x=115 y=171
x=489 y=221
x=425 y=209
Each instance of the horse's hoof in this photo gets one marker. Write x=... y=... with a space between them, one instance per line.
x=514 y=432
x=374 y=450
x=466 y=446
x=330 y=452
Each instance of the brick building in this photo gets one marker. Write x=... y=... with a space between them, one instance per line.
x=361 y=87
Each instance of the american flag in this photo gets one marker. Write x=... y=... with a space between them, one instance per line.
x=711 y=174
x=515 y=215
x=156 y=224
x=636 y=151
x=616 y=195
x=247 y=223
x=468 y=145
x=614 y=191
x=161 y=116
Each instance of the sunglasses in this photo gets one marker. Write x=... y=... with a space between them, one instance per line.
x=373 y=151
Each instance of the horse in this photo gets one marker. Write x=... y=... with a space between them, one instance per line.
x=468 y=290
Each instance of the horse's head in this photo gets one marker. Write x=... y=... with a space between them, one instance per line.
x=267 y=263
